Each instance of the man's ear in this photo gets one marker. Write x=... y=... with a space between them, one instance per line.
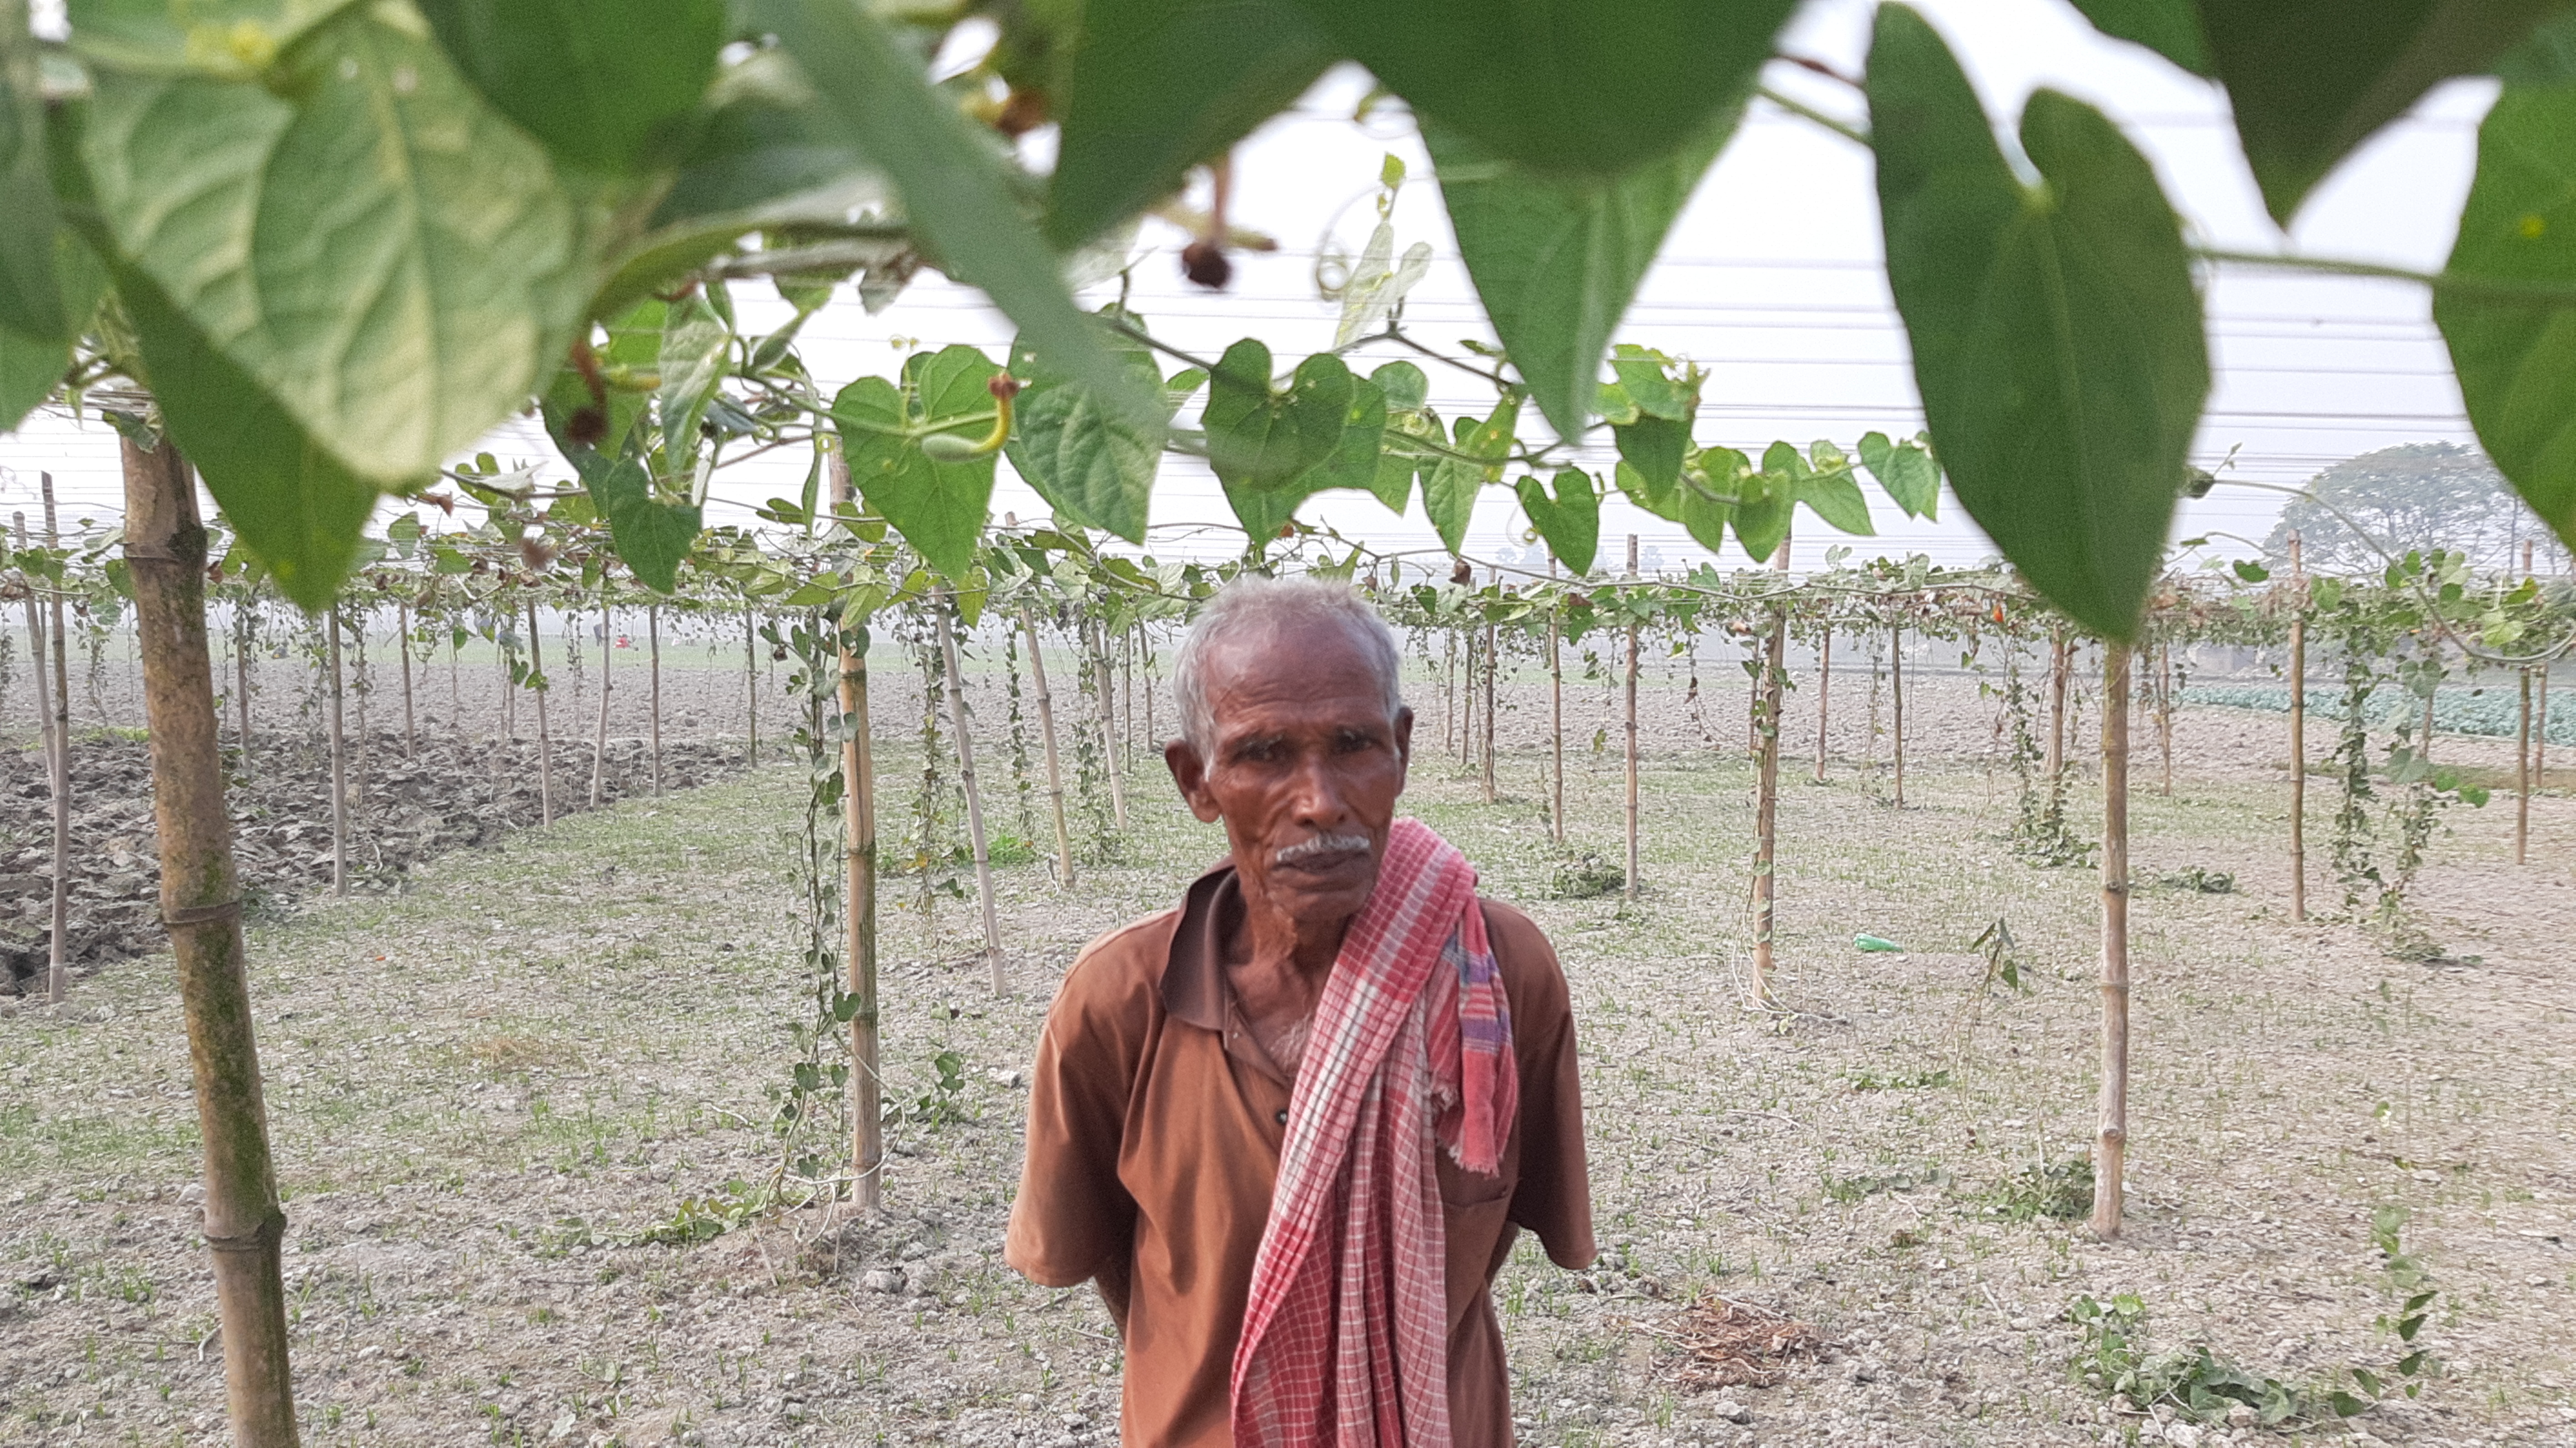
x=1404 y=735
x=1189 y=771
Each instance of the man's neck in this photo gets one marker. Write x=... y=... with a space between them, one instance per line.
x=1279 y=964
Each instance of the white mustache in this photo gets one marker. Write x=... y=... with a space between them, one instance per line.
x=1320 y=845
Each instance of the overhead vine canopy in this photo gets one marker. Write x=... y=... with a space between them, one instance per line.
x=335 y=242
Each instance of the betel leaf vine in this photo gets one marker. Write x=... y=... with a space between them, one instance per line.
x=2057 y=334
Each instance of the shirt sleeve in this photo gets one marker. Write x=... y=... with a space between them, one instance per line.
x=1554 y=1195
x=1073 y=1220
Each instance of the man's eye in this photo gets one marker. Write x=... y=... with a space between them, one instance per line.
x=1352 y=743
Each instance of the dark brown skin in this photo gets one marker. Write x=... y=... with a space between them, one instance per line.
x=1303 y=748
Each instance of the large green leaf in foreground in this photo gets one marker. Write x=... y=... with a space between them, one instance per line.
x=2057 y=337
x=381 y=253
x=652 y=536
x=599 y=81
x=2516 y=359
x=1556 y=260
x=1579 y=88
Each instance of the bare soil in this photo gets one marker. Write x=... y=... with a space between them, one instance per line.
x=494 y=1090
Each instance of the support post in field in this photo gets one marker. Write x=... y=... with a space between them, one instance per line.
x=165 y=547
x=2522 y=778
x=339 y=765
x=1054 y=763
x=1491 y=661
x=2298 y=735
x=750 y=688
x=402 y=651
x=545 y=739
x=2164 y=713
x=2111 y=1140
x=858 y=900
x=1108 y=728
x=1766 y=831
x=1896 y=704
x=1630 y=727
x=653 y=688
x=58 y=968
x=2061 y=660
x=1556 y=714
x=1824 y=696
x=941 y=608
x=55 y=731
x=243 y=634
x=599 y=738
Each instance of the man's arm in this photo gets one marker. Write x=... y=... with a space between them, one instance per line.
x=1554 y=1197
x=1073 y=1220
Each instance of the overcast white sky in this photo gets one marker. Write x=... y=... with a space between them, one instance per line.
x=1770 y=280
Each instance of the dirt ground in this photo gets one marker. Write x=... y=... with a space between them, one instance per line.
x=490 y=1090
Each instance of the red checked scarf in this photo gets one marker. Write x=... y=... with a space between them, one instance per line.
x=1345 y=1340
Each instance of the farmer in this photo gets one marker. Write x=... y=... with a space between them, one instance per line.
x=1292 y=1127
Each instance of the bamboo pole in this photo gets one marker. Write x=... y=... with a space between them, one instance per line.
x=54 y=728
x=165 y=546
x=653 y=704
x=2061 y=659
x=1490 y=668
x=1896 y=704
x=2298 y=735
x=1766 y=830
x=750 y=688
x=402 y=650
x=599 y=737
x=1824 y=697
x=1448 y=689
x=859 y=921
x=2110 y=1157
x=339 y=766
x=1629 y=890
x=2164 y=712
x=243 y=640
x=545 y=739
x=974 y=796
x=2522 y=779
x=1054 y=765
x=1556 y=715
x=1108 y=731
x=58 y=966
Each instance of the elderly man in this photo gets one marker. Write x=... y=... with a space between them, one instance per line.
x=1292 y=1127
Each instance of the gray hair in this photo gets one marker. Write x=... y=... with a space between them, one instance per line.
x=1256 y=603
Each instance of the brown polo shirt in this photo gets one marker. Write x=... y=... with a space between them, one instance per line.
x=1155 y=1118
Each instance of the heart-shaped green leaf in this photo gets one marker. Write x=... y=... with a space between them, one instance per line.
x=391 y=259
x=1570 y=521
x=1568 y=87
x=1157 y=86
x=630 y=349
x=1664 y=502
x=1703 y=501
x=2516 y=359
x=1094 y=467
x=1406 y=389
x=1655 y=447
x=653 y=537
x=1398 y=463
x=1906 y=470
x=2057 y=336
x=693 y=358
x=939 y=507
x=1766 y=499
x=1354 y=461
x=1556 y=259
x=1262 y=442
x=1449 y=490
x=605 y=84
x=1830 y=491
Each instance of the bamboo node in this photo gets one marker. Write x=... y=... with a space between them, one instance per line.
x=263 y=1238
x=188 y=915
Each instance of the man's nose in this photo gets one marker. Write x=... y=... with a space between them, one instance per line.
x=1318 y=801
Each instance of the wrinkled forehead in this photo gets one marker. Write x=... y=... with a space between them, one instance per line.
x=1312 y=671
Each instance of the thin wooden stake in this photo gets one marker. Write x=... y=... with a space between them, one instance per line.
x=1556 y=716
x=1109 y=732
x=1896 y=703
x=858 y=902
x=2110 y=1157
x=545 y=740
x=2164 y=712
x=54 y=724
x=750 y=688
x=2061 y=661
x=974 y=796
x=1824 y=697
x=243 y=635
x=339 y=767
x=1766 y=832
x=2298 y=735
x=402 y=650
x=1490 y=667
x=2522 y=779
x=165 y=547
x=1055 y=767
x=599 y=739
x=1629 y=891
x=653 y=704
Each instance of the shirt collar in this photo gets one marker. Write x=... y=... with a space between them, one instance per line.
x=1194 y=984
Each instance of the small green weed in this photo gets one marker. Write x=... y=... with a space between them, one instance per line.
x=2194 y=1382
x=2060 y=1191
x=2200 y=881
x=1585 y=876
x=1899 y=1081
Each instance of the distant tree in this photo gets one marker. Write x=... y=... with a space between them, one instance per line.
x=2417 y=495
